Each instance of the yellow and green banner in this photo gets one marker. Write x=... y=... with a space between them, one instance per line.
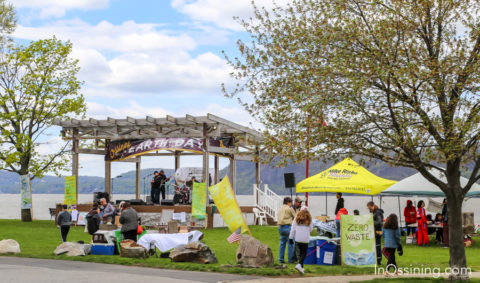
x=70 y=191
x=199 y=201
x=224 y=198
x=358 y=240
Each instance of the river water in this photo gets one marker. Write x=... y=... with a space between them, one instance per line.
x=10 y=204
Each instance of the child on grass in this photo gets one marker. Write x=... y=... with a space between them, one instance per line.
x=392 y=243
x=302 y=226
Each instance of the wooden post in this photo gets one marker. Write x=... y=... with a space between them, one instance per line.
x=138 y=168
x=75 y=162
x=206 y=164
x=177 y=160
x=108 y=171
x=257 y=169
x=216 y=177
x=233 y=174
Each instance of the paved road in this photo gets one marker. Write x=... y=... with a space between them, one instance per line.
x=23 y=270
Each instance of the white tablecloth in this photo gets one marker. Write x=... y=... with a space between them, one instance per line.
x=165 y=242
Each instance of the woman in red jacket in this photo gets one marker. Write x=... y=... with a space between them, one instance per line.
x=410 y=214
x=422 y=233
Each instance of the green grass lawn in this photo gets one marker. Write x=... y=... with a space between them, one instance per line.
x=39 y=239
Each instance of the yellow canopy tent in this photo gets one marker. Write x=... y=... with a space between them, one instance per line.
x=345 y=177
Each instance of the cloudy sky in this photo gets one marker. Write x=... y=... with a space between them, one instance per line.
x=143 y=57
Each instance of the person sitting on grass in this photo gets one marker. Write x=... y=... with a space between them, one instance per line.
x=93 y=220
x=392 y=242
x=302 y=226
x=64 y=220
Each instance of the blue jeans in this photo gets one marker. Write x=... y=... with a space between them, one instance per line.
x=284 y=232
x=337 y=223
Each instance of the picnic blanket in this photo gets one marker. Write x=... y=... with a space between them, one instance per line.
x=166 y=242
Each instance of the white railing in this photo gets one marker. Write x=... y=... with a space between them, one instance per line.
x=267 y=200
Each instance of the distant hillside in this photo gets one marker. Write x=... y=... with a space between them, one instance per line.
x=9 y=182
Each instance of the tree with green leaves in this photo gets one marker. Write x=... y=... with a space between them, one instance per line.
x=38 y=84
x=396 y=81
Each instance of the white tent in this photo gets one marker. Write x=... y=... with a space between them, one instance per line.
x=418 y=185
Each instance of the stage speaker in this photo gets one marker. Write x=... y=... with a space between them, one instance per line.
x=289 y=180
x=167 y=202
x=99 y=195
x=137 y=202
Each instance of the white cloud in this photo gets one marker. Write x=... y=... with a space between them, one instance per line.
x=220 y=12
x=136 y=57
x=132 y=109
x=57 y=8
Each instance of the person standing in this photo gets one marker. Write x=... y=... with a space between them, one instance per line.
x=341 y=212
x=64 y=220
x=163 y=179
x=297 y=205
x=285 y=217
x=155 y=188
x=340 y=203
x=129 y=221
x=392 y=243
x=445 y=223
x=422 y=225
x=302 y=226
x=378 y=225
x=410 y=214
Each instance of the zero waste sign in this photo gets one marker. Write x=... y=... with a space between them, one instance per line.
x=357 y=240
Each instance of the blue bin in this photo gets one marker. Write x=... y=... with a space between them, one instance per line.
x=311 y=257
x=326 y=252
x=103 y=249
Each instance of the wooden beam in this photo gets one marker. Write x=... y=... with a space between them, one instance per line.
x=150 y=120
x=91 y=151
x=171 y=119
x=206 y=165
x=191 y=118
x=242 y=157
x=111 y=120
x=217 y=149
x=131 y=160
x=131 y=120
x=93 y=121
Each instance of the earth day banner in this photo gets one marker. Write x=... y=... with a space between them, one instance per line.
x=25 y=192
x=123 y=149
x=70 y=191
x=199 y=200
x=358 y=240
x=224 y=198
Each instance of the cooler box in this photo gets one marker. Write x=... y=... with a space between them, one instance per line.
x=103 y=249
x=326 y=252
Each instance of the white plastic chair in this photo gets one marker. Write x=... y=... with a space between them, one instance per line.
x=259 y=215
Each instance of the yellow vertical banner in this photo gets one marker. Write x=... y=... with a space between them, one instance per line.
x=224 y=199
x=70 y=191
x=199 y=200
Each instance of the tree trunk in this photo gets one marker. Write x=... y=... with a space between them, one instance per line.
x=458 y=262
x=26 y=215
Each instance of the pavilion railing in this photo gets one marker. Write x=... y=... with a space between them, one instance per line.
x=267 y=200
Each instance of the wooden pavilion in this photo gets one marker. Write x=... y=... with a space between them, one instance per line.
x=213 y=135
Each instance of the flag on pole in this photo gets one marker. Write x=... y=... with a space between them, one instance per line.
x=235 y=235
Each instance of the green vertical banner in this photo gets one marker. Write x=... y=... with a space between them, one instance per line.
x=358 y=240
x=70 y=191
x=26 y=191
x=199 y=201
